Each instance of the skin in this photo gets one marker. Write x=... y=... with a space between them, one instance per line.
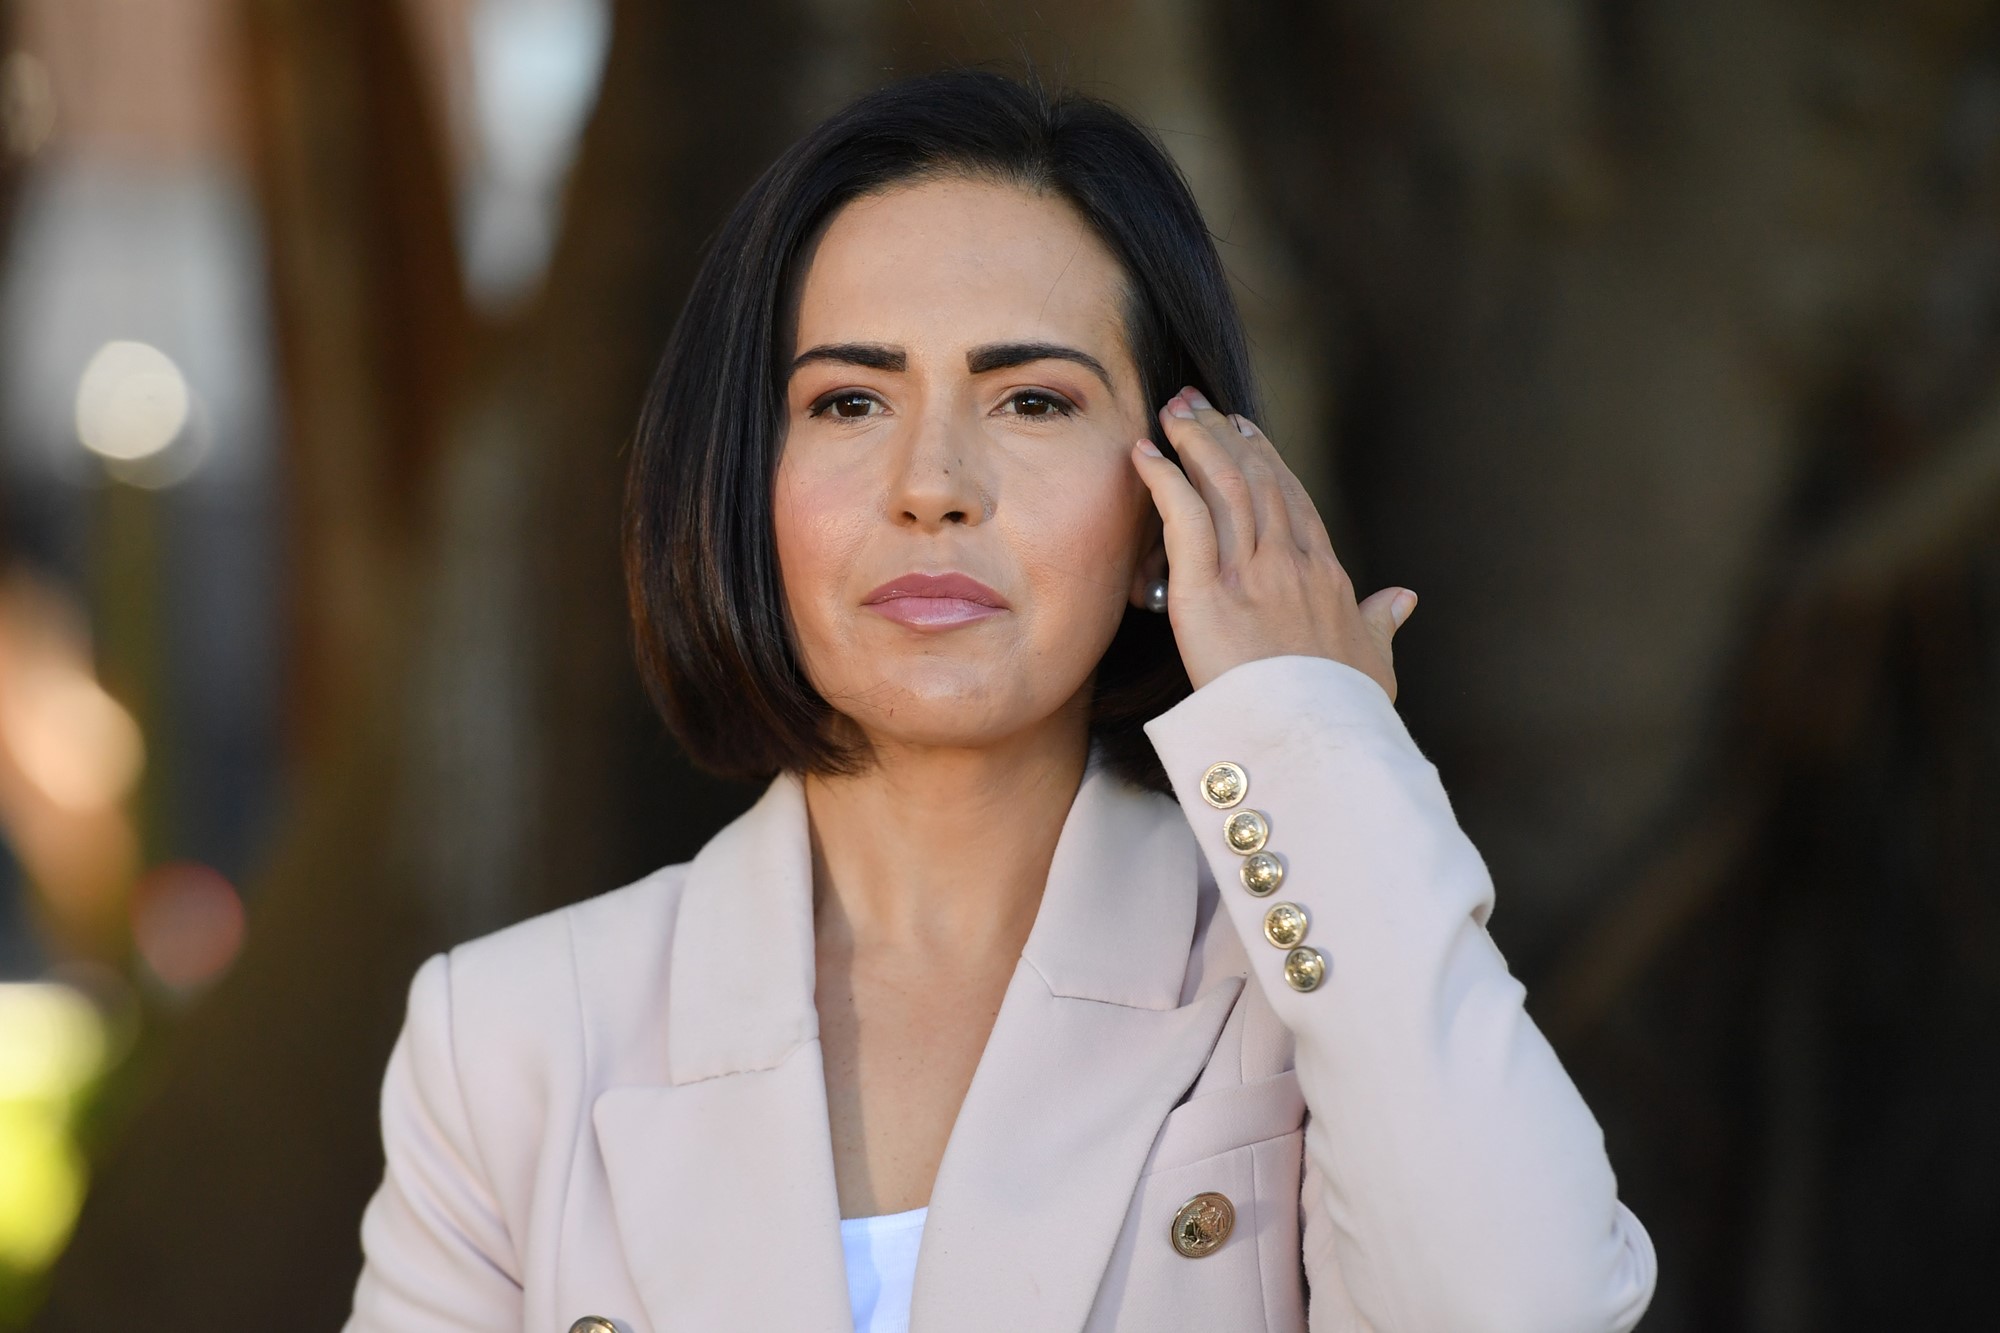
x=1036 y=479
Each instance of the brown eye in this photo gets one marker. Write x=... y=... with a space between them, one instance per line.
x=839 y=402
x=1041 y=404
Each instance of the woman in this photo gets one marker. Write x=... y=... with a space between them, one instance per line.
x=1102 y=954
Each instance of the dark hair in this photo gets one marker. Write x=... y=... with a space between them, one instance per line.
x=711 y=626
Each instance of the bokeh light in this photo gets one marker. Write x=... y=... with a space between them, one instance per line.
x=187 y=923
x=52 y=1045
x=131 y=402
x=71 y=739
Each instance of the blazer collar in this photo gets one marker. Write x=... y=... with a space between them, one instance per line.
x=1115 y=922
x=740 y=982
x=722 y=1180
x=1118 y=914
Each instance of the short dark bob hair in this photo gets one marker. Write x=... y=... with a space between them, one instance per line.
x=711 y=626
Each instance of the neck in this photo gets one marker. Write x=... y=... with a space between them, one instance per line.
x=936 y=847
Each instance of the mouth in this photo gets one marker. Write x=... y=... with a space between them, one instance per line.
x=935 y=601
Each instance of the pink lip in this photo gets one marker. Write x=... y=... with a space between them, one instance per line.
x=935 y=600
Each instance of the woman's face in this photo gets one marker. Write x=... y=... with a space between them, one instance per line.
x=961 y=406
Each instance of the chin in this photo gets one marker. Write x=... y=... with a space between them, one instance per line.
x=944 y=705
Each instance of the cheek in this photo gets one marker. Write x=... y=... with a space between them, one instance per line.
x=1081 y=537
x=819 y=523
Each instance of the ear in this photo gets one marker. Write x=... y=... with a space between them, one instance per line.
x=1151 y=566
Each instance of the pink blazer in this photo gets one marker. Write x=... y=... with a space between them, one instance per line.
x=617 y=1109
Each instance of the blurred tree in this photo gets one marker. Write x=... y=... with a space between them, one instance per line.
x=1668 y=340
x=1656 y=347
x=476 y=746
x=469 y=746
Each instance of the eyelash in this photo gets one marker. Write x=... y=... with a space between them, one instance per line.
x=1059 y=406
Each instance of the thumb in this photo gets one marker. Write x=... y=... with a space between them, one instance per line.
x=1385 y=611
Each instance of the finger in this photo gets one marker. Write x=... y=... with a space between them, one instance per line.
x=1186 y=527
x=1213 y=470
x=1308 y=529
x=1385 y=611
x=1272 y=522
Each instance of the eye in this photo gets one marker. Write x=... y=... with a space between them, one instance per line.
x=839 y=399
x=1041 y=404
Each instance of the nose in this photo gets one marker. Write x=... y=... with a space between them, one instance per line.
x=940 y=478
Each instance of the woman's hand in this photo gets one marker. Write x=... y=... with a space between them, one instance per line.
x=1252 y=570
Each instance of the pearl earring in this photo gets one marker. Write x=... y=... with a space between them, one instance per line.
x=1156 y=595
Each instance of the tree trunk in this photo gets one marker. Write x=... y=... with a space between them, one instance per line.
x=489 y=753
x=1642 y=390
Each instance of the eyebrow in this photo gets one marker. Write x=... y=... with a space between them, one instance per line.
x=875 y=356
x=978 y=360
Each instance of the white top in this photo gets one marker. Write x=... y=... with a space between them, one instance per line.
x=881 y=1268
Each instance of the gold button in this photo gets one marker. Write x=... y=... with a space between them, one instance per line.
x=590 y=1323
x=1246 y=831
x=1305 y=968
x=1262 y=873
x=1285 y=924
x=1203 y=1223
x=1224 y=784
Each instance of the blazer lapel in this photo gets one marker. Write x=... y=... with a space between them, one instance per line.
x=725 y=1200
x=720 y=1166
x=717 y=1147
x=1091 y=1049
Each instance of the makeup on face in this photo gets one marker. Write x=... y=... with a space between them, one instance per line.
x=955 y=510
x=935 y=601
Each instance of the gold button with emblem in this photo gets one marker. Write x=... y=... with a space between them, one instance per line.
x=591 y=1323
x=1203 y=1223
x=1246 y=831
x=1262 y=873
x=1305 y=968
x=1224 y=784
x=1285 y=924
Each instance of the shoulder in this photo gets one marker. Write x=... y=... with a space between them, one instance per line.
x=615 y=927
x=497 y=1053
x=574 y=997
x=545 y=993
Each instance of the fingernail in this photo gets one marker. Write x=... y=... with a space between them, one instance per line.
x=1243 y=426
x=1399 y=610
x=1179 y=408
x=1148 y=447
x=1194 y=396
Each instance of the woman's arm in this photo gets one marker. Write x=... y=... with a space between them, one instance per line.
x=1459 y=1171
x=437 y=1257
x=1463 y=1177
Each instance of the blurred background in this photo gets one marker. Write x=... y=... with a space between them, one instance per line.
x=1657 y=345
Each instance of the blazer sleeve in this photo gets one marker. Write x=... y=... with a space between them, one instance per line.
x=1460 y=1175
x=436 y=1254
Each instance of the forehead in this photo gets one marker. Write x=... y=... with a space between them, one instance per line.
x=956 y=262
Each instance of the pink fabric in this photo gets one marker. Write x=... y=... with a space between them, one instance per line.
x=618 y=1109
